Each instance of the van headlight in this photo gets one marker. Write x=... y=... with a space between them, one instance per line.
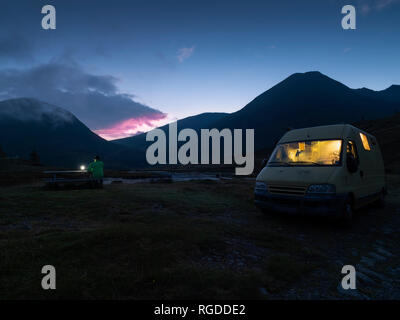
x=260 y=186
x=322 y=188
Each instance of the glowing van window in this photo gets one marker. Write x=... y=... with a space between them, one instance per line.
x=364 y=141
x=307 y=153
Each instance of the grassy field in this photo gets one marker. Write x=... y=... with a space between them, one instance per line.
x=183 y=240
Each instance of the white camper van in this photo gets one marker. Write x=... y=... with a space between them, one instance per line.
x=326 y=170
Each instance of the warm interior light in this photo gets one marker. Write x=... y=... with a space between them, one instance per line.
x=364 y=141
x=325 y=152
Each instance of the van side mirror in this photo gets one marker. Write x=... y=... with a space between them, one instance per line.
x=352 y=163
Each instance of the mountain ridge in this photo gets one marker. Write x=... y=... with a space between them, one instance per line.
x=55 y=134
x=300 y=100
x=293 y=98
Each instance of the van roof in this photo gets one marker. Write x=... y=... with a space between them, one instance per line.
x=335 y=131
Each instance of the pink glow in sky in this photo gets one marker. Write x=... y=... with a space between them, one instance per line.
x=132 y=126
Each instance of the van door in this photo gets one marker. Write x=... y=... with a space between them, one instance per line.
x=378 y=168
x=355 y=172
x=370 y=154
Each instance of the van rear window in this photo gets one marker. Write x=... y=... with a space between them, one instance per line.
x=364 y=141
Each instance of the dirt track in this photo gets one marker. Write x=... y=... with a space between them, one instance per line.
x=372 y=245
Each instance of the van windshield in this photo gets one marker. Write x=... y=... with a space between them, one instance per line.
x=307 y=153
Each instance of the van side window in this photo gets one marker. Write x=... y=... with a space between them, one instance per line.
x=364 y=141
x=352 y=149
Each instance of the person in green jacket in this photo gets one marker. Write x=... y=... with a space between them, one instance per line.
x=95 y=170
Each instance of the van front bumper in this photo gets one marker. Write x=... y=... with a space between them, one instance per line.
x=322 y=205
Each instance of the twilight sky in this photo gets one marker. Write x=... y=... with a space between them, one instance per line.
x=127 y=66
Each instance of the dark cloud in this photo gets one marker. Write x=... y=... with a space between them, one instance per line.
x=94 y=99
x=16 y=48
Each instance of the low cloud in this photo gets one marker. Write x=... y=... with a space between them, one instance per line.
x=129 y=127
x=94 y=99
x=185 y=53
x=365 y=8
x=34 y=110
x=381 y=4
x=375 y=5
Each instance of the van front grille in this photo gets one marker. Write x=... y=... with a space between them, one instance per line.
x=287 y=190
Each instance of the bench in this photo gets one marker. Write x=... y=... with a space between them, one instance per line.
x=56 y=182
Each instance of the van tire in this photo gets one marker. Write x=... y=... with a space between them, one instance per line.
x=347 y=217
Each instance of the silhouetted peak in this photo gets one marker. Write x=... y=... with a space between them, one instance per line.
x=393 y=87
x=311 y=76
x=306 y=82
